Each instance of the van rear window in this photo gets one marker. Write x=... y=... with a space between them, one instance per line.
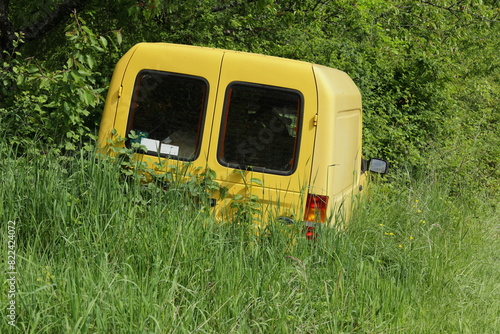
x=167 y=113
x=260 y=128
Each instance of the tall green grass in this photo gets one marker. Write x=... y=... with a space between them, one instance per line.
x=98 y=254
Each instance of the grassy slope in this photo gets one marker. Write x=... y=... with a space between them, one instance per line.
x=95 y=254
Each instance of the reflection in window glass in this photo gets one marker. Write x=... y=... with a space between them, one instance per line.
x=167 y=113
x=260 y=128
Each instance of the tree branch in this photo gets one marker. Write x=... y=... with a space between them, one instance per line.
x=461 y=9
x=6 y=28
x=51 y=19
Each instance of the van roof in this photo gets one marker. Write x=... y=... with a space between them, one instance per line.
x=160 y=46
x=336 y=80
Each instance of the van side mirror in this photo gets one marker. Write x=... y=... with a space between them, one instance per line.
x=378 y=166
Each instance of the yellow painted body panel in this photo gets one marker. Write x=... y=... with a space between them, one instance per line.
x=109 y=114
x=337 y=151
x=272 y=71
x=329 y=156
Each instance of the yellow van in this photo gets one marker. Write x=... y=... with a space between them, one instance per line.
x=292 y=125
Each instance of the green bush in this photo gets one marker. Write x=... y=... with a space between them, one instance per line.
x=54 y=108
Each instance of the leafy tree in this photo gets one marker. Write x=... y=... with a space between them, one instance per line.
x=54 y=108
x=44 y=16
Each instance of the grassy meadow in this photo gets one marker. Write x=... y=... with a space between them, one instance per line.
x=97 y=254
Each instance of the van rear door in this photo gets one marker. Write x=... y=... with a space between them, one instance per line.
x=167 y=100
x=263 y=131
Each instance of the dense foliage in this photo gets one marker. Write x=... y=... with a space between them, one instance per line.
x=428 y=71
x=99 y=254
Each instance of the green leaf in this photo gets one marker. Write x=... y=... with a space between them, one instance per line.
x=256 y=181
x=32 y=68
x=76 y=75
x=20 y=79
x=211 y=174
x=69 y=146
x=86 y=97
x=119 y=37
x=85 y=73
x=104 y=41
x=90 y=61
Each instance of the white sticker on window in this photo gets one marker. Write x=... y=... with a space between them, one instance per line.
x=151 y=144
x=169 y=149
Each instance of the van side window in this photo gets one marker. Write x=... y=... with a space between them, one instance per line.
x=260 y=128
x=167 y=113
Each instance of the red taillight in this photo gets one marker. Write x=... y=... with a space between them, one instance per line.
x=310 y=233
x=315 y=213
x=316 y=208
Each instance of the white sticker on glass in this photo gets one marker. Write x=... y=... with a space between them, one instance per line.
x=151 y=144
x=169 y=149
